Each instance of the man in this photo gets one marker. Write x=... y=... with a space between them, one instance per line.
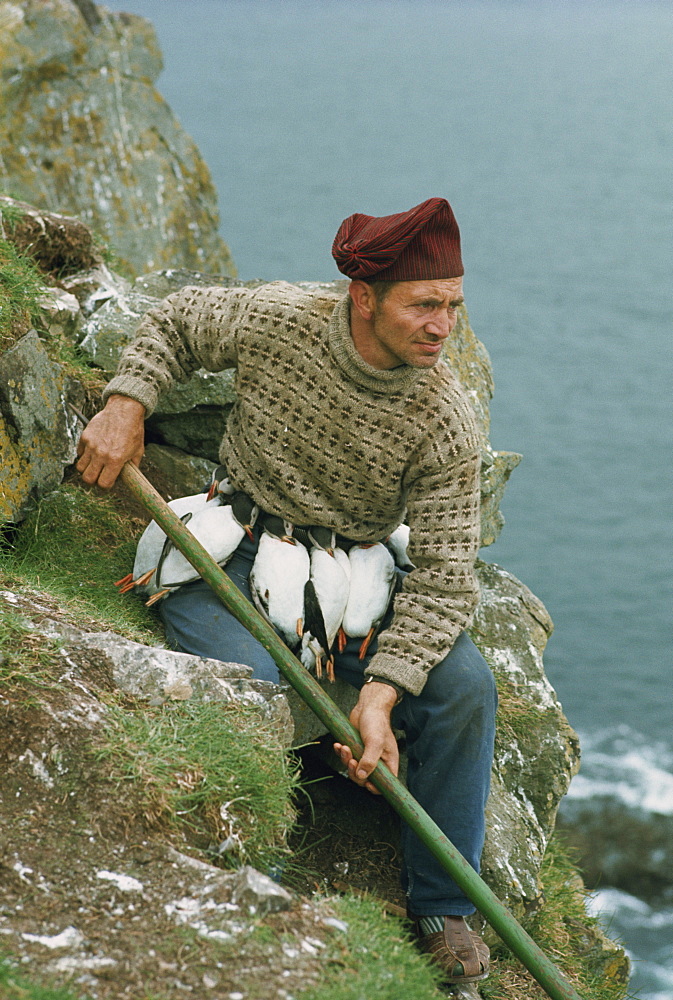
x=347 y=417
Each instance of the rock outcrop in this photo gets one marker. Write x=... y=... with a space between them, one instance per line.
x=536 y=751
x=156 y=675
x=83 y=130
x=37 y=432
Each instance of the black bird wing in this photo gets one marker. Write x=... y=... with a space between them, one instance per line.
x=313 y=616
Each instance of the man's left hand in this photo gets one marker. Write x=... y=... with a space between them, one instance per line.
x=371 y=717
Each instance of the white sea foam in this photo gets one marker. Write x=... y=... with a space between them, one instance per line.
x=621 y=764
x=632 y=910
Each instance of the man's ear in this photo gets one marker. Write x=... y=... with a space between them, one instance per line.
x=363 y=298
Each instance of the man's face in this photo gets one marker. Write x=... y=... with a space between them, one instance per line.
x=411 y=323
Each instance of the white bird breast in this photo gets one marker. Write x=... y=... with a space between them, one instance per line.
x=277 y=580
x=330 y=575
x=151 y=542
x=217 y=530
x=372 y=582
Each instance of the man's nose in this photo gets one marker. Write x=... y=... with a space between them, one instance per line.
x=439 y=325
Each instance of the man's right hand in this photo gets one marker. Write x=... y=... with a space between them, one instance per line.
x=112 y=438
x=371 y=717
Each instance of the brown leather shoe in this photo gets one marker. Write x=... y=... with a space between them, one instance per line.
x=458 y=951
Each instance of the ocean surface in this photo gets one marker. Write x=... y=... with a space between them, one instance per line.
x=548 y=127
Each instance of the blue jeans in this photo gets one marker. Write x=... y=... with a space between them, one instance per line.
x=449 y=727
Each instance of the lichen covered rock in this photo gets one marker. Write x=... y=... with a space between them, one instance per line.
x=37 y=433
x=537 y=752
x=83 y=130
x=496 y=468
x=109 y=329
x=185 y=473
x=157 y=675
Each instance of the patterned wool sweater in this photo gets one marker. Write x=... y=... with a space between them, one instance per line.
x=319 y=436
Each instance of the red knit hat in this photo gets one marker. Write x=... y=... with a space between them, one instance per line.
x=420 y=244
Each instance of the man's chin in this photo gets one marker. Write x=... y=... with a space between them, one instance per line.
x=429 y=361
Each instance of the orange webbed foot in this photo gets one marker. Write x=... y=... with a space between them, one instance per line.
x=156 y=597
x=365 y=643
x=140 y=582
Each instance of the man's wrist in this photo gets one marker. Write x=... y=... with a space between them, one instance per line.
x=399 y=691
x=117 y=400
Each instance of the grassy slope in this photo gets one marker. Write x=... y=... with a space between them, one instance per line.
x=73 y=545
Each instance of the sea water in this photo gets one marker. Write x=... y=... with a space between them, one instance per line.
x=548 y=127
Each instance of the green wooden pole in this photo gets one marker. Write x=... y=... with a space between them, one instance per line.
x=474 y=887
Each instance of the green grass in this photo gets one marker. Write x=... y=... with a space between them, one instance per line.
x=15 y=986
x=21 y=285
x=26 y=658
x=10 y=214
x=374 y=959
x=186 y=759
x=75 y=544
x=214 y=769
x=518 y=720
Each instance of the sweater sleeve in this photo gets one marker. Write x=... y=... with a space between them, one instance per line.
x=438 y=597
x=190 y=329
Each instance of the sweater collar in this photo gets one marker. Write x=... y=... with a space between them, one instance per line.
x=352 y=363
